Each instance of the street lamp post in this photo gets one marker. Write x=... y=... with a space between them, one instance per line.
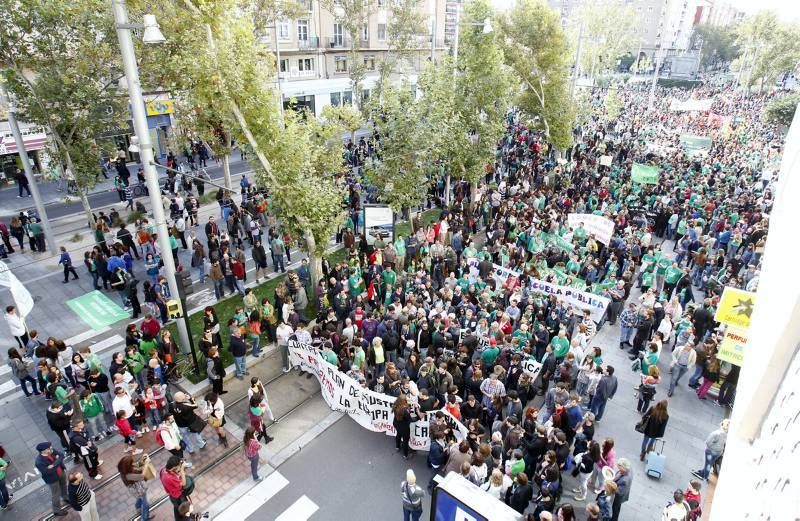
x=26 y=165
x=652 y=97
x=151 y=35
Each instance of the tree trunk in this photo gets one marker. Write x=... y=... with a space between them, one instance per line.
x=88 y=209
x=314 y=262
x=473 y=192
x=226 y=170
x=84 y=198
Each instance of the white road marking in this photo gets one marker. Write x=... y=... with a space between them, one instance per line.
x=300 y=510
x=254 y=498
x=104 y=345
x=86 y=335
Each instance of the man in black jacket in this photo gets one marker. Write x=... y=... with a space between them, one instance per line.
x=58 y=419
x=606 y=389
x=183 y=410
x=238 y=349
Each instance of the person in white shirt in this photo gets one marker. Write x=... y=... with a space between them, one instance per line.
x=282 y=333
x=497 y=485
x=17 y=326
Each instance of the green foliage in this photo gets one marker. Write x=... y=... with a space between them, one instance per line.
x=613 y=104
x=535 y=48
x=718 y=44
x=608 y=32
x=781 y=111
x=55 y=79
x=405 y=32
x=483 y=90
x=770 y=46
x=400 y=175
x=346 y=116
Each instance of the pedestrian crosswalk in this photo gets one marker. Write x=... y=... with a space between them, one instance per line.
x=301 y=510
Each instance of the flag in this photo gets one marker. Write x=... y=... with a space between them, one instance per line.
x=644 y=174
x=22 y=297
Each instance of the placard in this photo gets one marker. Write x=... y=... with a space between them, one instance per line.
x=601 y=227
x=735 y=307
x=578 y=299
x=731 y=349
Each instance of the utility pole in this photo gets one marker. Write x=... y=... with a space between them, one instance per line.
x=577 y=61
x=433 y=31
x=146 y=154
x=652 y=97
x=26 y=165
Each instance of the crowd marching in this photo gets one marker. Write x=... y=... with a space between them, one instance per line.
x=427 y=320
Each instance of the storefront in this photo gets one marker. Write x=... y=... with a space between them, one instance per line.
x=35 y=142
x=159 y=122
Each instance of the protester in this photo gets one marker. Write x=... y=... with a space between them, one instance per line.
x=50 y=464
x=135 y=472
x=412 y=496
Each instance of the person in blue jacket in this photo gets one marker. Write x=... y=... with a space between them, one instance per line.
x=66 y=261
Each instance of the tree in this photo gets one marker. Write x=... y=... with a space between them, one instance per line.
x=353 y=16
x=608 y=32
x=483 y=89
x=781 y=110
x=718 y=45
x=770 y=46
x=399 y=174
x=55 y=79
x=613 y=103
x=535 y=48
x=346 y=116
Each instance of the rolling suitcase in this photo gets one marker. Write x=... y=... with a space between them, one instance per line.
x=656 y=461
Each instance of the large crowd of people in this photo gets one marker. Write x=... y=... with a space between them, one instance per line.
x=423 y=318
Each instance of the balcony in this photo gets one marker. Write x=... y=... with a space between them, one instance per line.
x=337 y=43
x=305 y=4
x=311 y=43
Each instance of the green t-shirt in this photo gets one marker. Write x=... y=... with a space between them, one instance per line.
x=61 y=394
x=91 y=407
x=330 y=357
x=662 y=266
x=389 y=277
x=489 y=355
x=560 y=346
x=400 y=247
x=3 y=466
x=146 y=347
x=358 y=359
x=647 y=279
x=673 y=275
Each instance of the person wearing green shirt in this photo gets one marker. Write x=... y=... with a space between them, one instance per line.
x=580 y=233
x=358 y=357
x=329 y=355
x=681 y=231
x=389 y=277
x=92 y=409
x=671 y=277
x=661 y=271
x=521 y=336
x=356 y=284
x=400 y=248
x=136 y=363
x=470 y=251
x=489 y=355
x=560 y=345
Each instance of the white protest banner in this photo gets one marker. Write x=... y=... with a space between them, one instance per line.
x=369 y=409
x=22 y=297
x=508 y=277
x=605 y=160
x=532 y=367
x=691 y=105
x=578 y=299
x=601 y=227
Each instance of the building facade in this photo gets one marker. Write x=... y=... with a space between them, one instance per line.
x=315 y=53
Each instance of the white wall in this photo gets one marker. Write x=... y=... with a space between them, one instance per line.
x=759 y=478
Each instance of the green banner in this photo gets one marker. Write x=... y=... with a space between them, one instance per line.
x=644 y=174
x=97 y=310
x=556 y=240
x=694 y=145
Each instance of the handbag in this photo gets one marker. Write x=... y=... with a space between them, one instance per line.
x=641 y=425
x=213 y=420
x=148 y=471
x=197 y=425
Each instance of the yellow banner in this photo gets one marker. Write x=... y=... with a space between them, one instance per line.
x=736 y=307
x=731 y=349
x=158 y=107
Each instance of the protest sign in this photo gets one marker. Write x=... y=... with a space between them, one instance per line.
x=369 y=409
x=553 y=239
x=532 y=367
x=578 y=299
x=605 y=160
x=691 y=105
x=644 y=174
x=694 y=145
x=735 y=307
x=731 y=349
x=597 y=225
x=505 y=276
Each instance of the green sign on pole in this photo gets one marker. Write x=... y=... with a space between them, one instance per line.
x=97 y=310
x=644 y=174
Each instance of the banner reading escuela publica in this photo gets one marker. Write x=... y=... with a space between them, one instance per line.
x=596 y=304
x=601 y=227
x=369 y=409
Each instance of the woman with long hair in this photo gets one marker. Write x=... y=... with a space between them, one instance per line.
x=215 y=416
x=654 y=425
x=133 y=473
x=403 y=416
x=251 y=446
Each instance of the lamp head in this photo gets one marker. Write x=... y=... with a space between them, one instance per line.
x=152 y=33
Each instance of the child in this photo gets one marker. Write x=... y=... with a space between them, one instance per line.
x=240 y=317
x=140 y=413
x=256 y=411
x=156 y=372
x=254 y=332
x=124 y=429
x=152 y=405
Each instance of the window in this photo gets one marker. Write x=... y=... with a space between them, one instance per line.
x=381 y=3
x=381 y=32
x=336 y=98
x=338 y=35
x=302 y=30
x=365 y=32
x=305 y=65
x=341 y=63
x=347 y=98
x=284 y=65
x=283 y=30
x=369 y=62
x=364 y=95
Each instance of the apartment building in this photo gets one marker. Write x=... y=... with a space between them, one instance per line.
x=314 y=52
